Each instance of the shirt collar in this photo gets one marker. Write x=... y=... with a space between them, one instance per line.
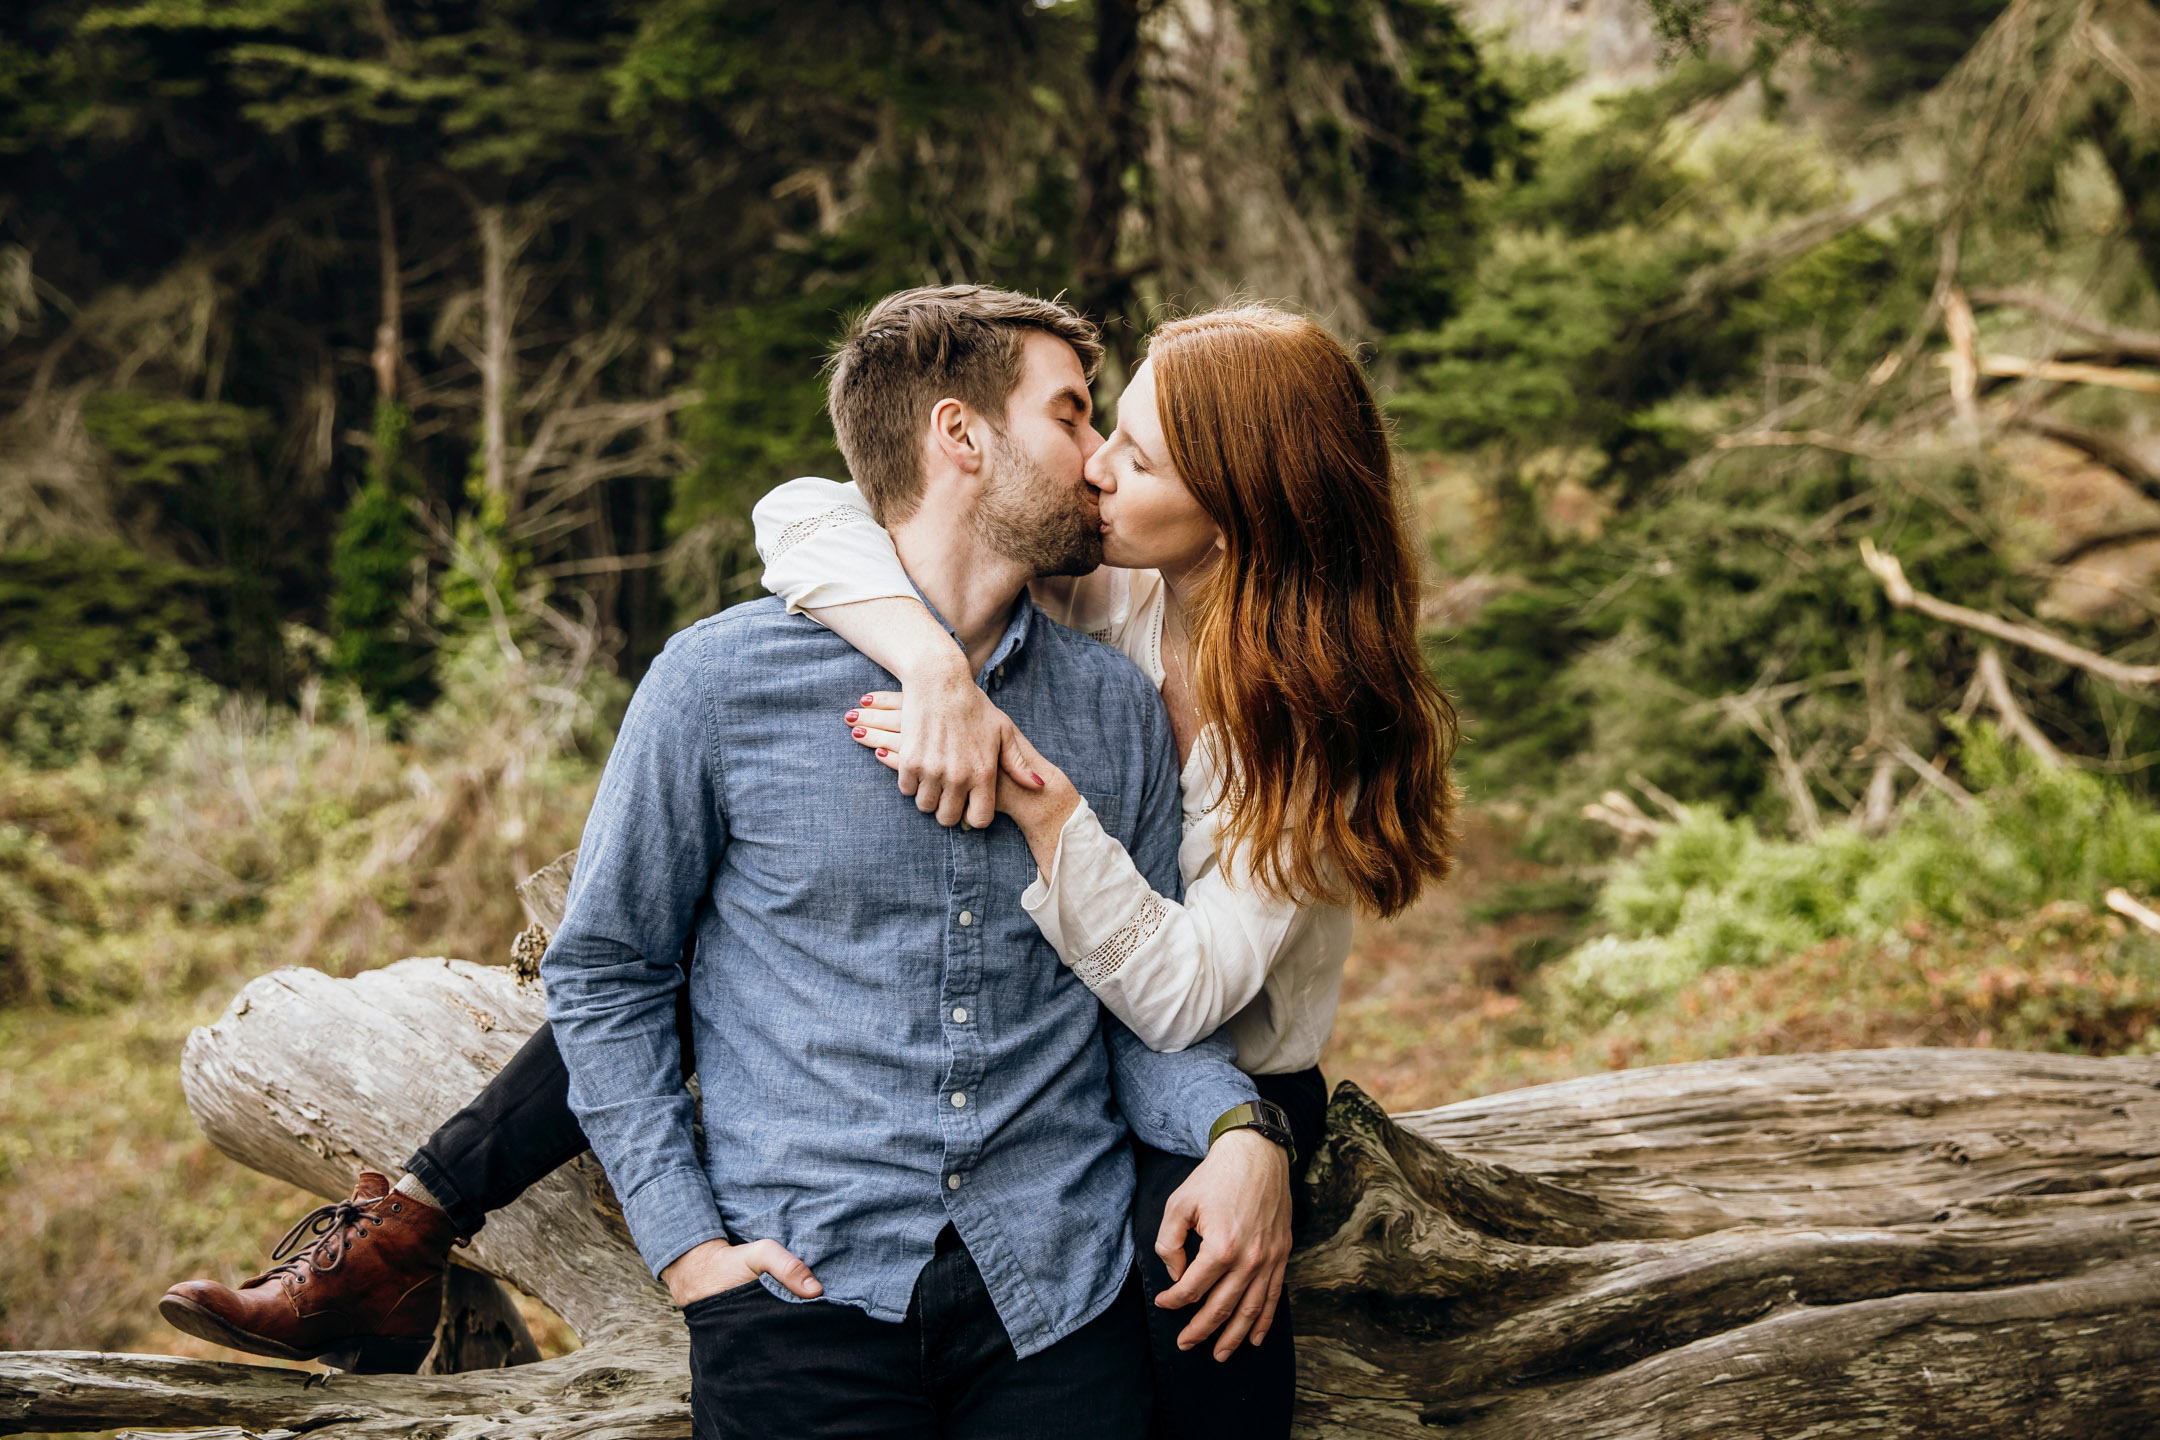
x=1016 y=633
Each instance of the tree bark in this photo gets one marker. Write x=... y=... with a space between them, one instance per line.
x=1893 y=1243
x=505 y=231
x=389 y=331
x=1111 y=146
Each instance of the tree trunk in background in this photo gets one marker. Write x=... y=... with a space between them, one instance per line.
x=2132 y=151
x=495 y=359
x=1112 y=146
x=389 y=333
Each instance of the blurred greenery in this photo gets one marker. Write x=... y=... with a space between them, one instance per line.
x=381 y=384
x=1712 y=892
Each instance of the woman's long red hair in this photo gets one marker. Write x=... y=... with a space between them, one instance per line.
x=1305 y=652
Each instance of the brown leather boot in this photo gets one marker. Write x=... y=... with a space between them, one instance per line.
x=365 y=1294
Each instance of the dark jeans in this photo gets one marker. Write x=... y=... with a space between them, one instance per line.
x=761 y=1366
x=520 y=1128
x=1246 y=1397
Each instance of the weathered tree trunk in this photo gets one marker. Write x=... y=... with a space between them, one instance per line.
x=1905 y=1242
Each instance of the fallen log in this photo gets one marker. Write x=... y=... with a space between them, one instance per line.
x=1891 y=1243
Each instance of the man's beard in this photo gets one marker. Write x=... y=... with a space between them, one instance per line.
x=1031 y=520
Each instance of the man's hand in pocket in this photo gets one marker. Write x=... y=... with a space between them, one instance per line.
x=715 y=1266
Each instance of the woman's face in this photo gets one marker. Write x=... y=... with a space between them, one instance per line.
x=1150 y=521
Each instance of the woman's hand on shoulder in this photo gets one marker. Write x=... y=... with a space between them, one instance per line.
x=949 y=744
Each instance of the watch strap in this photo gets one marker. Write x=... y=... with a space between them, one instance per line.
x=1265 y=1116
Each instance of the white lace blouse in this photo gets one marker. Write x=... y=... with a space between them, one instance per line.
x=1230 y=954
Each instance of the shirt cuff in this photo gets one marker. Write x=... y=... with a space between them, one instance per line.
x=672 y=1214
x=1207 y=1104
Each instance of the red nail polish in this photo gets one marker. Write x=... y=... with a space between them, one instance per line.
x=1037 y=778
x=866 y=699
x=853 y=716
x=860 y=732
x=881 y=752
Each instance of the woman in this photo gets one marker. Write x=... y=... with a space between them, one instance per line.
x=1259 y=571
x=1267 y=583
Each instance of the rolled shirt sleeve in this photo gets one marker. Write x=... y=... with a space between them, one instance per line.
x=651 y=843
x=822 y=548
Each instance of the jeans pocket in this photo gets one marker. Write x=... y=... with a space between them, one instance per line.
x=705 y=1307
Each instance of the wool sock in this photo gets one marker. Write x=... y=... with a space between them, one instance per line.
x=411 y=1185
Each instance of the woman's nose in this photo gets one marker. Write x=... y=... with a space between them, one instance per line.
x=1096 y=472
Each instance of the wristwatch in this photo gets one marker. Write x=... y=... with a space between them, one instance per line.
x=1264 y=1116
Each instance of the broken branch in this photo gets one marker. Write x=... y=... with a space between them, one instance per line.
x=1900 y=592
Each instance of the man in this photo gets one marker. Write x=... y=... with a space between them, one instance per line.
x=910 y=1215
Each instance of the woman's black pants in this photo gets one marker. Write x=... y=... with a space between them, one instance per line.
x=520 y=1127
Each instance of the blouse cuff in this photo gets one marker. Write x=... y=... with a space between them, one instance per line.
x=1095 y=907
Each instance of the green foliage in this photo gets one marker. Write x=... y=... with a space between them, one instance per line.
x=126 y=719
x=1579 y=319
x=158 y=835
x=1591 y=365
x=79 y=616
x=1614 y=657
x=114 y=733
x=519 y=85
x=1713 y=892
x=761 y=416
x=1906 y=47
x=372 y=575
x=1424 y=120
x=1689 y=24
x=189 y=477
x=163 y=441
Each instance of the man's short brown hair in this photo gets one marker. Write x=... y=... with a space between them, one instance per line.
x=917 y=347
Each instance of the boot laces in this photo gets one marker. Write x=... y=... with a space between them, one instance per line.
x=327 y=1233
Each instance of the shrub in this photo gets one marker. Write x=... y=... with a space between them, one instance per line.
x=1713 y=892
x=159 y=837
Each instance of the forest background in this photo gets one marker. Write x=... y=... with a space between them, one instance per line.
x=381 y=383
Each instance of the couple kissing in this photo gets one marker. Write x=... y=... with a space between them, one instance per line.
x=1003 y=1092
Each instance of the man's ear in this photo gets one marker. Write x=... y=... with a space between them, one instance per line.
x=956 y=436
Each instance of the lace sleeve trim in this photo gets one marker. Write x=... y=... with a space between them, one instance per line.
x=817 y=524
x=1106 y=959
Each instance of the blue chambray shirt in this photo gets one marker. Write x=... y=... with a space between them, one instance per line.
x=884 y=1040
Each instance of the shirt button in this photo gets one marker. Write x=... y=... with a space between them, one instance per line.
x=1001 y=672
x=959 y=1015
x=967 y=917
x=959 y=1100
x=952 y=1182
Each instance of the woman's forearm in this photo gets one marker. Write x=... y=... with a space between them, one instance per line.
x=899 y=634
x=1041 y=816
x=1172 y=971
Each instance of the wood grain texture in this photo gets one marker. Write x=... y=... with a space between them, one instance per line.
x=1895 y=1243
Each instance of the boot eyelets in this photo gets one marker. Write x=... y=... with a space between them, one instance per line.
x=397 y=1209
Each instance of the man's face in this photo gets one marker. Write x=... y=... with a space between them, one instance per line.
x=1037 y=507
